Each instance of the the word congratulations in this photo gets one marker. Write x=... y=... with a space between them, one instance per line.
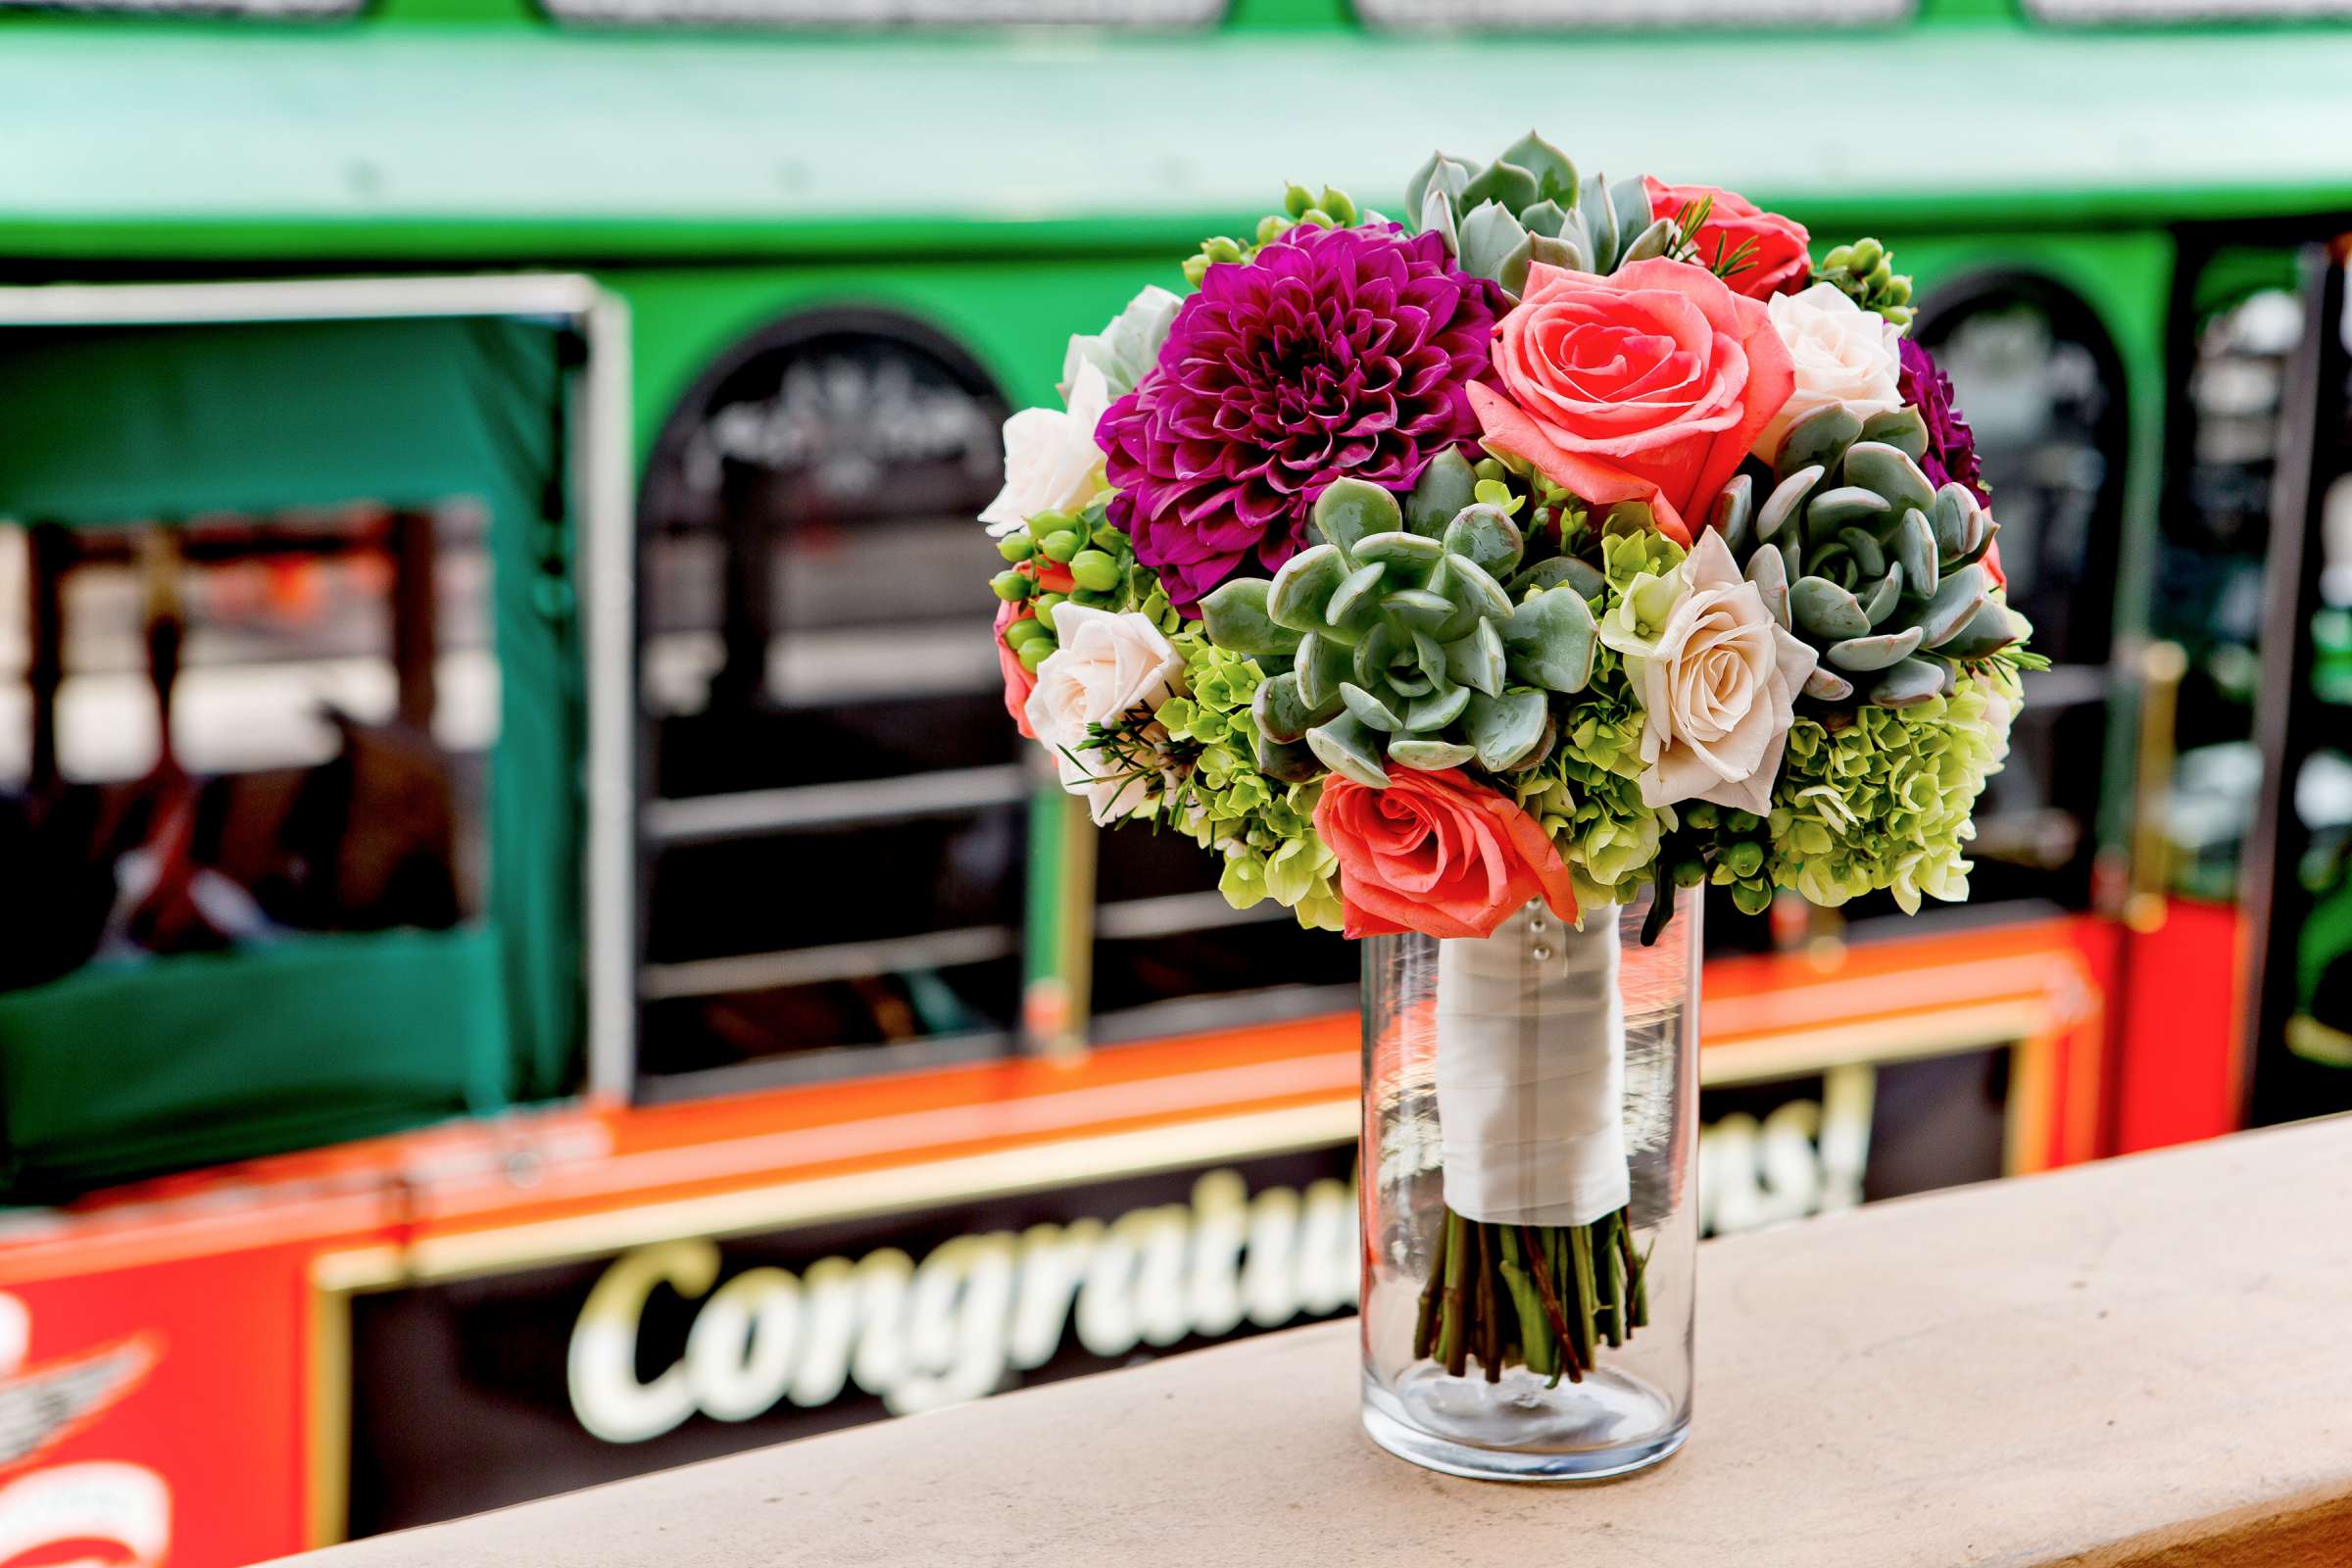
x=976 y=1309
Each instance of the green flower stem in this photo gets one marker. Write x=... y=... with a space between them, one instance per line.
x=1637 y=1269
x=1587 y=1300
x=1425 y=1326
x=1611 y=1281
x=1490 y=1319
x=1539 y=1255
x=1453 y=1339
x=1548 y=1298
x=1538 y=1344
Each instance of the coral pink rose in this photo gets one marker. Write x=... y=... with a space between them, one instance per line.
x=1018 y=682
x=1647 y=385
x=1777 y=260
x=1435 y=854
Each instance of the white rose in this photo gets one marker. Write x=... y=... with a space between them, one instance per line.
x=1126 y=350
x=1719 y=690
x=1108 y=667
x=1051 y=460
x=1844 y=355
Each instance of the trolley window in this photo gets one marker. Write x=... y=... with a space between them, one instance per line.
x=2185 y=12
x=245 y=10
x=1647 y=16
x=835 y=832
x=2210 y=560
x=879 y=14
x=289 y=733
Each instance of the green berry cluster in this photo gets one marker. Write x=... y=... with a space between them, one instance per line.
x=1864 y=271
x=1097 y=557
x=1730 y=849
x=1330 y=209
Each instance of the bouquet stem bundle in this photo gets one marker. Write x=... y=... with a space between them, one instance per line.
x=1543 y=1297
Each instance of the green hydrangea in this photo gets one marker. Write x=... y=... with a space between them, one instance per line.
x=1885 y=800
x=1588 y=792
x=1265 y=829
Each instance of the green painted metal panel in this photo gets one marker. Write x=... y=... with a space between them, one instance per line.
x=132 y=423
x=2234 y=272
x=116 y=1072
x=1014 y=317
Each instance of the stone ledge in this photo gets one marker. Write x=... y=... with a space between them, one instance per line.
x=2137 y=1364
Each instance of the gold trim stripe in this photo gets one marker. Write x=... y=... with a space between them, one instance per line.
x=1798 y=1051
x=1030 y=1114
x=1774 y=1011
x=327 y=1508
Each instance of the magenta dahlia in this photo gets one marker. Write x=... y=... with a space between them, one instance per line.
x=1951 y=444
x=1338 y=353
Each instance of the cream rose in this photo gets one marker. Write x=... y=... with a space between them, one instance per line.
x=1843 y=353
x=1051 y=460
x=1108 y=667
x=1718 y=690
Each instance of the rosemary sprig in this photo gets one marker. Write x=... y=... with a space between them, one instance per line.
x=2019 y=659
x=1160 y=763
x=1688 y=223
x=1738 y=261
x=1689 y=220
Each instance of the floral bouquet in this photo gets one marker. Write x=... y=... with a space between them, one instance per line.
x=1467 y=575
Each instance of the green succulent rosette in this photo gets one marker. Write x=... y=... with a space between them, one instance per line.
x=1406 y=647
x=1530 y=205
x=1858 y=554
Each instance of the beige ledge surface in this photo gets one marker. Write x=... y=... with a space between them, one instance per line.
x=2141 y=1364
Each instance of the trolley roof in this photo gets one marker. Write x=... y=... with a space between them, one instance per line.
x=185 y=141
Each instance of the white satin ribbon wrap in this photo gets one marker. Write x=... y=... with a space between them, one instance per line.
x=1530 y=1071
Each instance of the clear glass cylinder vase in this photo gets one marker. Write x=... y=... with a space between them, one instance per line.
x=1530 y=1219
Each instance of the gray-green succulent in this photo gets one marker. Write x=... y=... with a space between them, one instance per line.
x=1858 y=554
x=1412 y=637
x=1530 y=206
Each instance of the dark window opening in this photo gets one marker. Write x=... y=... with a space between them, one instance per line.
x=834 y=823
x=220 y=733
x=2039 y=377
